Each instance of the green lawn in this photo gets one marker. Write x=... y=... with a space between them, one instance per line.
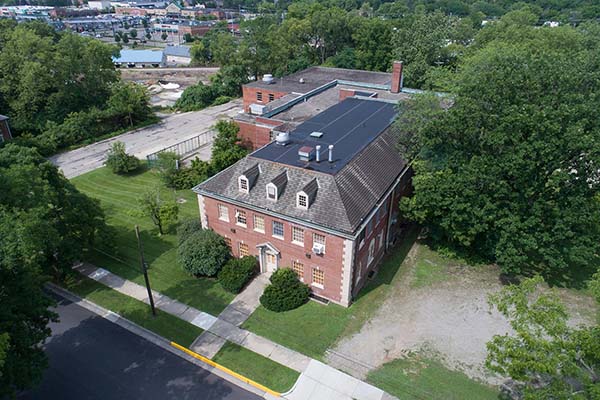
x=118 y=197
x=256 y=367
x=163 y=324
x=423 y=378
x=430 y=268
x=313 y=328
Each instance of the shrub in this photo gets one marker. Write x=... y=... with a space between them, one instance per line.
x=119 y=161
x=167 y=165
x=196 y=97
x=285 y=292
x=221 y=100
x=187 y=228
x=203 y=253
x=236 y=273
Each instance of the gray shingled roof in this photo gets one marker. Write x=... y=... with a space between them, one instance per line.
x=343 y=200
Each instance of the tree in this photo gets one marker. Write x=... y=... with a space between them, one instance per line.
x=131 y=101
x=117 y=37
x=510 y=171
x=203 y=253
x=545 y=357
x=45 y=225
x=227 y=148
x=119 y=161
x=164 y=36
x=162 y=212
x=285 y=292
x=148 y=35
x=196 y=97
x=133 y=33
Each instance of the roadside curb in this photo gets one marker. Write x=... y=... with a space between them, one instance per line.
x=226 y=370
x=163 y=343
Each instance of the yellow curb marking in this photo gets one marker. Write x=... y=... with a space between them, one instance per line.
x=225 y=369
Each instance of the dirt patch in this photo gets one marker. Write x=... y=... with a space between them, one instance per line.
x=449 y=319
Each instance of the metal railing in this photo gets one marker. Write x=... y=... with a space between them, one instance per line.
x=184 y=148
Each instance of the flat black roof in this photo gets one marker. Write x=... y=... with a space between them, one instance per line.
x=349 y=125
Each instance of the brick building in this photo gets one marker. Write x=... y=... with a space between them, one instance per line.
x=5 y=134
x=322 y=199
x=272 y=104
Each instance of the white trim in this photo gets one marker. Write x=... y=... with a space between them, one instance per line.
x=202 y=208
x=272 y=185
x=243 y=178
x=225 y=218
x=254 y=216
x=297 y=243
x=347 y=262
x=302 y=193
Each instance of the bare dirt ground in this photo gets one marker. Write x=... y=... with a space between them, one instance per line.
x=449 y=319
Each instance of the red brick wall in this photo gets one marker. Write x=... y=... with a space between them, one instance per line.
x=396 y=77
x=330 y=262
x=249 y=95
x=255 y=136
x=346 y=93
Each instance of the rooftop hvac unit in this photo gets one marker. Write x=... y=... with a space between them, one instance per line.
x=267 y=78
x=257 y=109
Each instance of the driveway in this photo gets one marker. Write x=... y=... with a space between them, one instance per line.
x=92 y=358
x=449 y=320
x=171 y=129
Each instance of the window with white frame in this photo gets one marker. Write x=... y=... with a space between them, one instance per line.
x=227 y=242
x=243 y=184
x=244 y=250
x=223 y=213
x=240 y=218
x=371 y=251
x=302 y=200
x=259 y=223
x=318 y=278
x=278 y=229
x=298 y=268
x=319 y=240
x=297 y=235
x=271 y=192
x=379 y=240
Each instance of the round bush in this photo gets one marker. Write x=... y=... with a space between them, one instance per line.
x=203 y=253
x=236 y=273
x=187 y=228
x=285 y=292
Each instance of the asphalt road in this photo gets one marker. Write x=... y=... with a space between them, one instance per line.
x=172 y=129
x=92 y=358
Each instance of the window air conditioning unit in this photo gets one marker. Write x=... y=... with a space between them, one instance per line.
x=318 y=249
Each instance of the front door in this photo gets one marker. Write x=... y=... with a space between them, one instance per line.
x=271 y=261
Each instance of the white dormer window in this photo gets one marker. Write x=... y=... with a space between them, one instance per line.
x=271 y=191
x=243 y=184
x=302 y=200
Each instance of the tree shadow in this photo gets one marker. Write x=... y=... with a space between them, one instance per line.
x=390 y=265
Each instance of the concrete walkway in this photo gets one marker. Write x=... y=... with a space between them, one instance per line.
x=317 y=381
x=208 y=344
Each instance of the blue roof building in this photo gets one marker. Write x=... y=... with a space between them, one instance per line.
x=140 y=58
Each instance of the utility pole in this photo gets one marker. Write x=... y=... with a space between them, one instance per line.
x=145 y=269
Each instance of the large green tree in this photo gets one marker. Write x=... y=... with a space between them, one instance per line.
x=511 y=170
x=45 y=225
x=545 y=357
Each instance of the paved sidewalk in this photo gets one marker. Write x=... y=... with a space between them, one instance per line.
x=208 y=344
x=317 y=381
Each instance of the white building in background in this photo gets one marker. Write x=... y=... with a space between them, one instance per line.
x=99 y=4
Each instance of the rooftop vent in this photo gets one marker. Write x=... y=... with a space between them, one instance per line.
x=267 y=78
x=305 y=153
x=316 y=134
x=301 y=80
x=282 y=138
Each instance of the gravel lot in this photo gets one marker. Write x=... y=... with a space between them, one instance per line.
x=449 y=320
x=171 y=129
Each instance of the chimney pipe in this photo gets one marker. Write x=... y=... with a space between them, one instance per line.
x=330 y=153
x=318 y=153
x=397 y=77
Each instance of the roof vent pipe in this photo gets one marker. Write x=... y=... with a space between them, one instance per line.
x=330 y=153
x=318 y=153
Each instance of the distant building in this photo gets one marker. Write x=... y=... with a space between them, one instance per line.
x=140 y=58
x=178 y=55
x=99 y=4
x=5 y=134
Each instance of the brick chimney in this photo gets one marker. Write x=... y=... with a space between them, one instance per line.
x=396 y=77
